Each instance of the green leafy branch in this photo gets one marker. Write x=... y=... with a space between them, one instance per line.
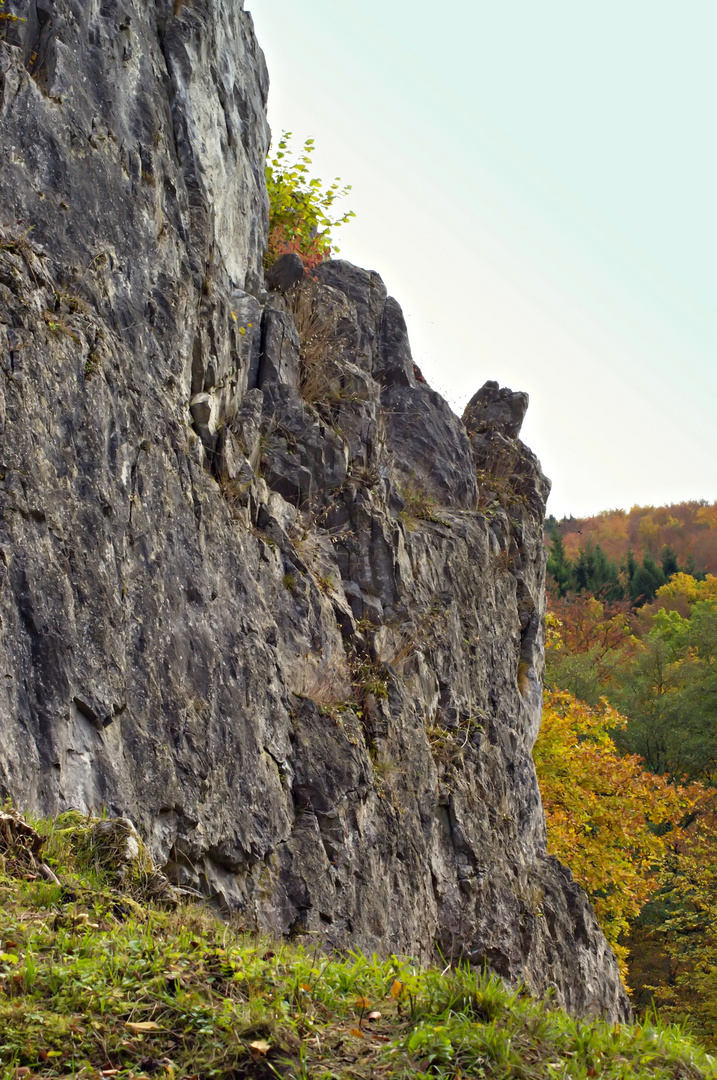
x=301 y=214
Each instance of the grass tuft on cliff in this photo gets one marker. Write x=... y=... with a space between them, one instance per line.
x=106 y=972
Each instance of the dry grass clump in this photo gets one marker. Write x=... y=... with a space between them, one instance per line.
x=319 y=338
x=325 y=680
x=20 y=846
x=419 y=504
x=393 y=648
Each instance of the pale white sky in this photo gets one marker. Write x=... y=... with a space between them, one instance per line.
x=536 y=185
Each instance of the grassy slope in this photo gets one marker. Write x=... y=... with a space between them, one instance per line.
x=95 y=979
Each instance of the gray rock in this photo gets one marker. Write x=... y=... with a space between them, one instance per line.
x=184 y=557
x=429 y=449
x=286 y=272
x=279 y=364
x=496 y=409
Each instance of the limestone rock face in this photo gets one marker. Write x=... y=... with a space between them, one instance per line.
x=262 y=592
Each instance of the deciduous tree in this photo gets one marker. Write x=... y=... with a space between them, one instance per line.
x=606 y=815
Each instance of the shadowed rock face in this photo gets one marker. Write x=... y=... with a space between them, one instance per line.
x=287 y=271
x=261 y=591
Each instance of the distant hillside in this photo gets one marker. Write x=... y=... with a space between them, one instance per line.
x=689 y=528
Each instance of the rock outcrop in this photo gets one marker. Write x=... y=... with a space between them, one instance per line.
x=262 y=592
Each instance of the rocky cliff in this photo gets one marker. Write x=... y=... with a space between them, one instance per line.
x=261 y=590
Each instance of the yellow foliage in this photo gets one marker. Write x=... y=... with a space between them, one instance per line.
x=684 y=585
x=553 y=637
x=602 y=809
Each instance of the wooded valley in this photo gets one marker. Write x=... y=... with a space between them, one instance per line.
x=627 y=755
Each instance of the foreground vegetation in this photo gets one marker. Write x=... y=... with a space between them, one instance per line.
x=106 y=972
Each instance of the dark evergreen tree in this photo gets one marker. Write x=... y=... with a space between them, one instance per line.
x=596 y=574
x=630 y=567
x=559 y=566
x=691 y=568
x=646 y=581
x=668 y=559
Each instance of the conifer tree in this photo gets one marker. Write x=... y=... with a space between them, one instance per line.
x=668 y=559
x=559 y=567
x=646 y=581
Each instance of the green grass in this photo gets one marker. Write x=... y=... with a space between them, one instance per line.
x=95 y=979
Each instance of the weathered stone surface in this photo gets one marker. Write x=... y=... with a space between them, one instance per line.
x=282 y=631
x=428 y=445
x=494 y=408
x=279 y=363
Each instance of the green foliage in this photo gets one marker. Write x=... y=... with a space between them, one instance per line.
x=594 y=573
x=301 y=213
x=93 y=985
x=689 y=529
x=684 y=920
x=596 y=556
x=668 y=688
x=663 y=678
x=587 y=637
x=647 y=580
x=668 y=561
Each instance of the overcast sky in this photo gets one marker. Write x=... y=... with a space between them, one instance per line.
x=536 y=184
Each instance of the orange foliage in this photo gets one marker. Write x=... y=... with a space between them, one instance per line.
x=587 y=624
x=690 y=528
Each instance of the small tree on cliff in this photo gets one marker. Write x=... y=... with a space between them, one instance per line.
x=300 y=208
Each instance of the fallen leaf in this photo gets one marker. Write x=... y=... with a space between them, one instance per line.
x=357 y=1033
x=363 y=1003
x=375 y=1015
x=261 y=1046
x=142 y=1026
x=397 y=988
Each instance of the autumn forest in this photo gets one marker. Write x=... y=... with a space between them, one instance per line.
x=627 y=755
